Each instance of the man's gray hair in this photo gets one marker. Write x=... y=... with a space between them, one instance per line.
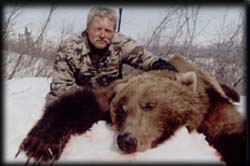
x=102 y=12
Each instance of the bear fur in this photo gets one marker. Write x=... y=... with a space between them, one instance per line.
x=146 y=108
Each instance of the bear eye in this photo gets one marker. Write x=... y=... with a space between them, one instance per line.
x=148 y=107
x=120 y=115
x=120 y=110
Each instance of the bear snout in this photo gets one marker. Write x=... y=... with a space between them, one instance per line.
x=127 y=143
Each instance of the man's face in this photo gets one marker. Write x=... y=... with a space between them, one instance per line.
x=101 y=31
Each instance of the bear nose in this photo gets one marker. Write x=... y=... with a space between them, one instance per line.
x=127 y=143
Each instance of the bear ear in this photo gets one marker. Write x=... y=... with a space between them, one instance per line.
x=106 y=94
x=115 y=87
x=188 y=79
x=118 y=87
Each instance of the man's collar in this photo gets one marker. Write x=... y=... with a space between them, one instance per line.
x=115 y=38
x=86 y=48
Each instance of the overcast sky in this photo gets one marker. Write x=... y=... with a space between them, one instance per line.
x=137 y=21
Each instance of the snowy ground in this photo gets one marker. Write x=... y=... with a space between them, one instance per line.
x=23 y=103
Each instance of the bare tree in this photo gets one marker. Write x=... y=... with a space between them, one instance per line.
x=46 y=23
x=223 y=58
x=154 y=38
x=191 y=24
x=67 y=28
x=10 y=14
x=230 y=53
x=30 y=52
x=177 y=28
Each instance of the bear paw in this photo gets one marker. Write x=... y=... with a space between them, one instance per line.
x=45 y=148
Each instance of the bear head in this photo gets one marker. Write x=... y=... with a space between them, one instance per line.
x=148 y=108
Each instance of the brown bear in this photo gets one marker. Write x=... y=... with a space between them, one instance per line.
x=146 y=108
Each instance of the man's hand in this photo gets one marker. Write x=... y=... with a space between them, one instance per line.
x=163 y=65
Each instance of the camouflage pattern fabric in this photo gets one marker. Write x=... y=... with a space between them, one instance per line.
x=75 y=65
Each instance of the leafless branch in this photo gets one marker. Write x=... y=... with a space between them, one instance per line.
x=46 y=23
x=10 y=15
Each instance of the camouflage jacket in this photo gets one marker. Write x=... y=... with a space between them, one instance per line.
x=76 y=65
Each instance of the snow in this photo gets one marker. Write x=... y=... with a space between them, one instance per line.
x=23 y=106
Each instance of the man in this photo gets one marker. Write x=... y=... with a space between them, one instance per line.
x=95 y=57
